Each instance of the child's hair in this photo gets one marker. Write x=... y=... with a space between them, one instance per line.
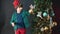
x=20 y=5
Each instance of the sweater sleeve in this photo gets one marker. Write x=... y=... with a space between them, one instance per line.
x=26 y=20
x=27 y=13
x=12 y=18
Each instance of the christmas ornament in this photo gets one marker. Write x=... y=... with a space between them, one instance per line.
x=55 y=23
x=38 y=24
x=45 y=14
x=52 y=13
x=31 y=11
x=39 y=14
x=31 y=6
x=42 y=29
x=46 y=28
x=47 y=10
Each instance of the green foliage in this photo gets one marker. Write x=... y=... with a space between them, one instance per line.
x=38 y=23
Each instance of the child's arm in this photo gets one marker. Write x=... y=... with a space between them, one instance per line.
x=12 y=19
x=30 y=10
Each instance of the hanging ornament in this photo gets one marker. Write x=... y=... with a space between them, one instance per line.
x=51 y=12
x=31 y=11
x=47 y=9
x=42 y=29
x=32 y=6
x=45 y=14
x=46 y=28
x=55 y=23
x=39 y=14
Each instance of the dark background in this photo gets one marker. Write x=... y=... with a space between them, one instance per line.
x=56 y=7
x=6 y=10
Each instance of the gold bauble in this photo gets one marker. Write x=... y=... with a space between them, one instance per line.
x=55 y=23
x=46 y=28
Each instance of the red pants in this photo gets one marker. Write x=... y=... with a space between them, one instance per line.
x=20 y=31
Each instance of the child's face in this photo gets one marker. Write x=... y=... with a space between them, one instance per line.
x=19 y=9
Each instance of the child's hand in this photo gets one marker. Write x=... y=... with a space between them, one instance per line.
x=31 y=8
x=13 y=24
x=31 y=11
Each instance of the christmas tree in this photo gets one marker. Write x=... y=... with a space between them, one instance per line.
x=43 y=17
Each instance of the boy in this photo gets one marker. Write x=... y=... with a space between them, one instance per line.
x=20 y=20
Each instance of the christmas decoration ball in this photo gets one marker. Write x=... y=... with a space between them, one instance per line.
x=55 y=23
x=46 y=28
x=42 y=29
x=31 y=11
x=45 y=14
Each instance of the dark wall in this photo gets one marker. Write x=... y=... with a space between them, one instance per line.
x=56 y=7
x=6 y=10
x=2 y=18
